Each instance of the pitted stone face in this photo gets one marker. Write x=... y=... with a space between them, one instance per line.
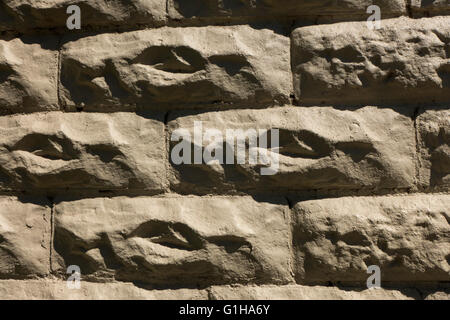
x=25 y=233
x=175 y=68
x=408 y=237
x=405 y=62
x=421 y=8
x=224 y=149
x=434 y=143
x=182 y=240
x=55 y=152
x=28 y=74
x=26 y=15
x=179 y=9
x=319 y=148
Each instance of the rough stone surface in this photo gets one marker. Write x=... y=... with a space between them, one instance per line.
x=58 y=290
x=439 y=295
x=56 y=152
x=172 y=68
x=175 y=241
x=24 y=237
x=324 y=149
x=320 y=148
x=430 y=7
x=215 y=9
x=296 y=292
x=22 y=15
x=434 y=143
x=408 y=237
x=405 y=62
x=28 y=74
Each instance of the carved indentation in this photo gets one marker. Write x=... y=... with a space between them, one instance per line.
x=172 y=235
x=5 y=71
x=231 y=243
x=303 y=144
x=51 y=147
x=180 y=59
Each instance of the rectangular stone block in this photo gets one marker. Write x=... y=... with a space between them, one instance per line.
x=175 y=241
x=80 y=152
x=433 y=128
x=420 y=8
x=58 y=290
x=320 y=148
x=24 y=237
x=28 y=74
x=173 y=68
x=216 y=9
x=407 y=237
x=25 y=15
x=296 y=292
x=406 y=62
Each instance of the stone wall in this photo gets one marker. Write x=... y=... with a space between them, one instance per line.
x=88 y=116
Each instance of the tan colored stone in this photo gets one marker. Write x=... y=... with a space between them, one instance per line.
x=408 y=237
x=56 y=152
x=296 y=292
x=438 y=295
x=173 y=68
x=320 y=148
x=429 y=7
x=24 y=237
x=175 y=241
x=28 y=74
x=215 y=9
x=58 y=290
x=434 y=141
x=22 y=15
x=405 y=62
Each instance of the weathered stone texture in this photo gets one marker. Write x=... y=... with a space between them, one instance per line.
x=439 y=295
x=58 y=152
x=429 y=7
x=23 y=15
x=173 y=68
x=350 y=129
x=58 y=290
x=24 y=237
x=296 y=292
x=434 y=142
x=405 y=62
x=215 y=9
x=320 y=148
x=408 y=237
x=175 y=241
x=28 y=74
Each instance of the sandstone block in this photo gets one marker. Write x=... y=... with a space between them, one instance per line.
x=430 y=7
x=23 y=15
x=297 y=292
x=439 y=295
x=434 y=143
x=57 y=290
x=175 y=241
x=215 y=9
x=319 y=148
x=173 y=68
x=406 y=62
x=55 y=152
x=24 y=237
x=28 y=74
x=408 y=237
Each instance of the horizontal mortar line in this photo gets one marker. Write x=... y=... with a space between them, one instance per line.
x=389 y=285
x=198 y=22
x=304 y=196
x=199 y=111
